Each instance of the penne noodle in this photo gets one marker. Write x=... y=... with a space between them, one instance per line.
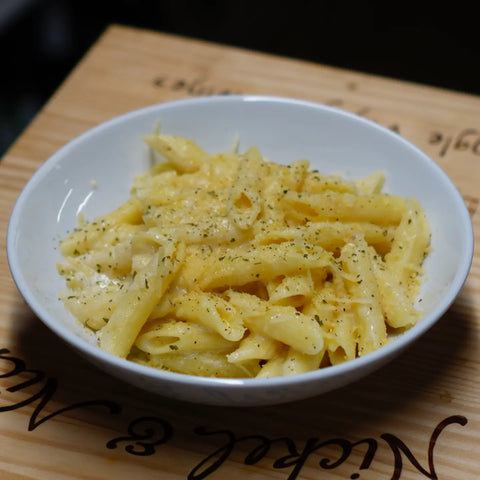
x=371 y=329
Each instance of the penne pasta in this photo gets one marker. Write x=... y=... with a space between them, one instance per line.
x=363 y=289
x=230 y=265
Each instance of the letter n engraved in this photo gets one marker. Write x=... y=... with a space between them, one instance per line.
x=398 y=447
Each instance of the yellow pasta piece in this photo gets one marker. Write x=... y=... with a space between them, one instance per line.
x=332 y=309
x=273 y=368
x=363 y=289
x=254 y=263
x=281 y=178
x=205 y=364
x=289 y=326
x=86 y=234
x=212 y=311
x=315 y=182
x=371 y=184
x=245 y=202
x=291 y=290
x=298 y=362
x=410 y=246
x=167 y=335
x=133 y=310
x=331 y=235
x=255 y=347
x=382 y=209
x=184 y=154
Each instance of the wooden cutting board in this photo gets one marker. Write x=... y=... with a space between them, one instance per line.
x=417 y=418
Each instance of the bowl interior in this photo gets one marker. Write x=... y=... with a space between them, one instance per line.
x=93 y=174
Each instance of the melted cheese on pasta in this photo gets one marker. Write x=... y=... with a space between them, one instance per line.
x=230 y=265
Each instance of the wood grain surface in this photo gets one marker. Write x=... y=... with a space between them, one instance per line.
x=416 y=418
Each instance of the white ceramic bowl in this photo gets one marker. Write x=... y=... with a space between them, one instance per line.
x=93 y=173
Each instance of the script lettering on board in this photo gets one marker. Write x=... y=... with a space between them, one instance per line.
x=296 y=458
x=466 y=140
x=146 y=433
x=198 y=86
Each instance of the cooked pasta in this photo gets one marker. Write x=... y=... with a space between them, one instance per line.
x=231 y=265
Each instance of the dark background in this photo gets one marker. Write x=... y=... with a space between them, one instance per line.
x=430 y=43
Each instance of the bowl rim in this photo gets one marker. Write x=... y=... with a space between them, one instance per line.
x=90 y=350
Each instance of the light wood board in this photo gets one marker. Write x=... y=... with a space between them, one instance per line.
x=417 y=418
